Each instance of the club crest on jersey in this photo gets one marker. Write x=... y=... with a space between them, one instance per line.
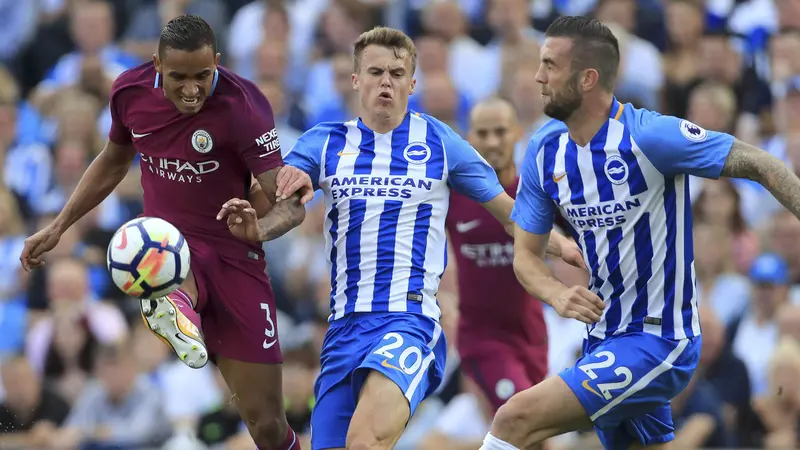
x=616 y=170
x=417 y=153
x=202 y=142
x=692 y=132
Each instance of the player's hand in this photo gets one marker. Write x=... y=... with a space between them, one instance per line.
x=571 y=254
x=37 y=245
x=241 y=218
x=290 y=180
x=579 y=303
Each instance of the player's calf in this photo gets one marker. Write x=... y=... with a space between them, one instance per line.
x=173 y=319
x=380 y=417
x=534 y=415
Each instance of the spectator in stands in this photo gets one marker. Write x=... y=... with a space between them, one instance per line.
x=24 y=166
x=68 y=291
x=789 y=321
x=141 y=35
x=697 y=413
x=719 y=203
x=512 y=28
x=641 y=76
x=719 y=286
x=756 y=333
x=779 y=407
x=97 y=60
x=728 y=375
x=681 y=62
x=70 y=356
x=784 y=239
x=120 y=407
x=31 y=411
x=465 y=59
x=343 y=106
x=525 y=95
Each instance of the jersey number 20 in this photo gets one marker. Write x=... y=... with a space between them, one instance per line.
x=397 y=342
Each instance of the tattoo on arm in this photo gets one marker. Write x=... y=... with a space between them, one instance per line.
x=747 y=161
x=284 y=215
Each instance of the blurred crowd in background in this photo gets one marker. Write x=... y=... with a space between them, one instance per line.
x=78 y=367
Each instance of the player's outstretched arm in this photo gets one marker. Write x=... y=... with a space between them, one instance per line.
x=575 y=302
x=97 y=183
x=284 y=215
x=747 y=161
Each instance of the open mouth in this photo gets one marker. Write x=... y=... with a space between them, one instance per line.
x=190 y=101
x=385 y=96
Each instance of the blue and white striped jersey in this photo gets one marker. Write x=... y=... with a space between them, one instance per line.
x=386 y=197
x=626 y=198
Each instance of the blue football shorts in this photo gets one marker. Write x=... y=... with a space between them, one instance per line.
x=409 y=349
x=626 y=382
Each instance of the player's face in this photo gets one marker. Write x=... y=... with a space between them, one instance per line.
x=187 y=77
x=384 y=81
x=493 y=133
x=561 y=94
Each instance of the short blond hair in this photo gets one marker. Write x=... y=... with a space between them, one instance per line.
x=385 y=37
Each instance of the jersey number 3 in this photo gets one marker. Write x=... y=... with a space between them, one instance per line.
x=607 y=360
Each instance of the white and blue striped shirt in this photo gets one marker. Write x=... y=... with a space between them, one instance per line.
x=625 y=196
x=386 y=197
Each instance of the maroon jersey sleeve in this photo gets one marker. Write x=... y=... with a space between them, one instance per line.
x=256 y=135
x=119 y=133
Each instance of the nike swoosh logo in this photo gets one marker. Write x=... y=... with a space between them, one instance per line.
x=463 y=227
x=269 y=344
x=124 y=242
x=385 y=363
x=589 y=388
x=268 y=153
x=344 y=153
x=137 y=136
x=558 y=178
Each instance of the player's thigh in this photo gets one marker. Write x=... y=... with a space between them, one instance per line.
x=381 y=414
x=545 y=410
x=240 y=319
x=499 y=375
x=625 y=384
x=403 y=366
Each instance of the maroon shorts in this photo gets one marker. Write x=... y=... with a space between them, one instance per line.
x=236 y=305
x=501 y=371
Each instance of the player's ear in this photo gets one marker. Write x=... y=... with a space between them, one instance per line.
x=413 y=86
x=589 y=79
x=216 y=59
x=354 y=77
x=157 y=62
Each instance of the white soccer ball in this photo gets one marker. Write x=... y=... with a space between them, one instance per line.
x=148 y=258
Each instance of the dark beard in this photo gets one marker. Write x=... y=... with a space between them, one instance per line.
x=562 y=105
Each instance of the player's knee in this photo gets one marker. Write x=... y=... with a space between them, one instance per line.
x=516 y=419
x=267 y=430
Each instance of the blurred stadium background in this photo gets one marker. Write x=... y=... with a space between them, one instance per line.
x=80 y=370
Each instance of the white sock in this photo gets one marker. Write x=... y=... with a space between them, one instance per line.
x=492 y=443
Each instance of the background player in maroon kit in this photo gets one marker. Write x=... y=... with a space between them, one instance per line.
x=502 y=336
x=202 y=133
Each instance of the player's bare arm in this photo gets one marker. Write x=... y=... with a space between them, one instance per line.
x=575 y=302
x=557 y=245
x=284 y=215
x=100 y=179
x=753 y=163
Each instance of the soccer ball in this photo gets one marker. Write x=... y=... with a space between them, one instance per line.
x=148 y=258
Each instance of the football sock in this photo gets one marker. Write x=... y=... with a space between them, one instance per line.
x=184 y=303
x=290 y=443
x=492 y=443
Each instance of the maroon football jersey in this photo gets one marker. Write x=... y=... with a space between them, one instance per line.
x=492 y=303
x=192 y=164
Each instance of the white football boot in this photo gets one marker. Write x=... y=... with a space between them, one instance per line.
x=166 y=320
